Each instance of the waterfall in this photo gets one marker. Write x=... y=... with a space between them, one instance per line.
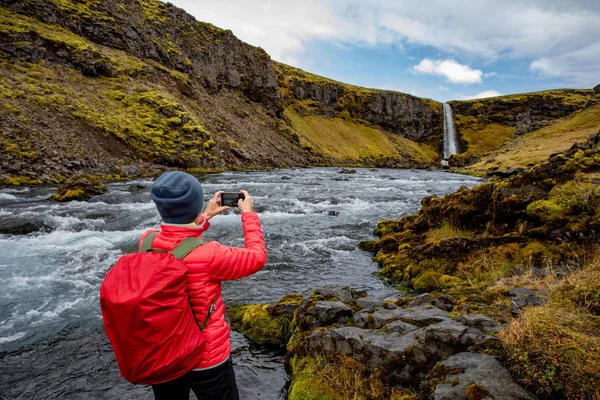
x=450 y=139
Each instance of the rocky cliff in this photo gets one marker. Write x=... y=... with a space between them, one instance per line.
x=409 y=116
x=484 y=125
x=148 y=29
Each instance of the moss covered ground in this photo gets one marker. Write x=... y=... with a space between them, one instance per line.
x=344 y=139
x=535 y=147
x=485 y=125
x=477 y=244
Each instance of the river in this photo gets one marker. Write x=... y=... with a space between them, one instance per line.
x=52 y=343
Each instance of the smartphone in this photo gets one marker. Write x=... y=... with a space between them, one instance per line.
x=230 y=199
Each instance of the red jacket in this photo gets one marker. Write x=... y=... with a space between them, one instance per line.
x=209 y=265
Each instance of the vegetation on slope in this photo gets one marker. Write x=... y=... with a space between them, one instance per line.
x=532 y=148
x=486 y=124
x=355 y=143
x=411 y=117
x=531 y=230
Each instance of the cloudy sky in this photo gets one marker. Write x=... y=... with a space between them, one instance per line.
x=441 y=49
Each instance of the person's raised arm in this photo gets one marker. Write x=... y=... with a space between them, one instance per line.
x=235 y=263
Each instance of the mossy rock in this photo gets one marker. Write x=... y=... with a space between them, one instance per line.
x=266 y=323
x=79 y=189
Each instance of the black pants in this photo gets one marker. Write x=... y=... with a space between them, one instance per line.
x=212 y=384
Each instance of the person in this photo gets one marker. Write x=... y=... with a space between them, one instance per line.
x=178 y=197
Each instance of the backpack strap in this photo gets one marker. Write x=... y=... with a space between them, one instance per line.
x=147 y=242
x=211 y=309
x=186 y=246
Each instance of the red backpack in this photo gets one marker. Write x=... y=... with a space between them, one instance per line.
x=147 y=314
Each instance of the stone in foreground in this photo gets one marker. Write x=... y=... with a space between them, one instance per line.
x=480 y=373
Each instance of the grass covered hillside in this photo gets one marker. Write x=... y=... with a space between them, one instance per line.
x=534 y=147
x=484 y=125
x=126 y=88
x=71 y=104
x=527 y=244
x=358 y=124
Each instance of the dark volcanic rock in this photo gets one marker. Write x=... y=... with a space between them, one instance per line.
x=342 y=293
x=471 y=372
x=325 y=313
x=369 y=303
x=20 y=225
x=80 y=189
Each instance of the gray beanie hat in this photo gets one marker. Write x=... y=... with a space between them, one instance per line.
x=178 y=197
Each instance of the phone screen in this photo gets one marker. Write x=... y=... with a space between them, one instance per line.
x=230 y=199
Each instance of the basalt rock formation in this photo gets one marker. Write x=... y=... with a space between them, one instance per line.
x=409 y=116
x=344 y=344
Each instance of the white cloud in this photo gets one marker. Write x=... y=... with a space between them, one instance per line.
x=482 y=95
x=571 y=67
x=552 y=32
x=450 y=69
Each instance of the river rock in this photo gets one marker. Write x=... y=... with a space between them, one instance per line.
x=21 y=225
x=342 y=293
x=382 y=349
x=421 y=299
x=361 y=318
x=324 y=313
x=369 y=303
x=346 y=340
x=79 y=189
x=381 y=317
x=424 y=315
x=444 y=302
x=447 y=331
x=481 y=321
x=492 y=380
x=400 y=327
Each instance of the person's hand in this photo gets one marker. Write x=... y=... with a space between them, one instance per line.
x=214 y=207
x=246 y=204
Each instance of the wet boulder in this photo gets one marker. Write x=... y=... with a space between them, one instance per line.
x=347 y=340
x=383 y=349
x=424 y=315
x=424 y=298
x=476 y=376
x=21 y=225
x=342 y=293
x=323 y=313
x=369 y=303
x=480 y=321
x=79 y=189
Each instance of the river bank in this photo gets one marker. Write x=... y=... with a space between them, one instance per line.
x=313 y=220
x=508 y=276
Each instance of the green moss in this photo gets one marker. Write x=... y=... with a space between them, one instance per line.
x=577 y=196
x=84 y=9
x=546 y=211
x=72 y=195
x=429 y=281
x=20 y=180
x=258 y=324
x=143 y=115
x=153 y=10
x=349 y=140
